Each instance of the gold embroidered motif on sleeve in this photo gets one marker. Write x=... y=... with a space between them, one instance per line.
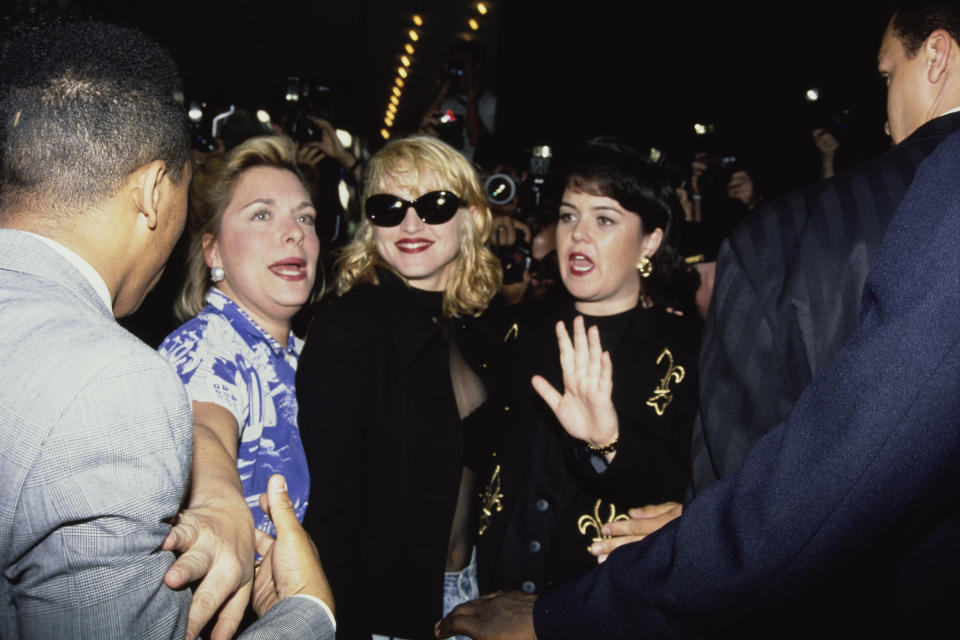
x=662 y=395
x=491 y=501
x=512 y=332
x=587 y=521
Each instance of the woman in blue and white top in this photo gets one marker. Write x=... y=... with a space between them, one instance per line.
x=252 y=266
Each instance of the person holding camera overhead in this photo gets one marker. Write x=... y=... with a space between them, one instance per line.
x=462 y=112
x=606 y=425
x=397 y=387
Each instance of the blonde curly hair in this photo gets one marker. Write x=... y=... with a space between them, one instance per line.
x=475 y=274
x=210 y=192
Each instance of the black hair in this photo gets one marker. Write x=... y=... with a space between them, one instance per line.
x=82 y=105
x=913 y=22
x=607 y=167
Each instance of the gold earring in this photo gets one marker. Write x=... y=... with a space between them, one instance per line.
x=645 y=267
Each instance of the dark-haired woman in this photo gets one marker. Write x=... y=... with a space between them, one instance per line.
x=607 y=427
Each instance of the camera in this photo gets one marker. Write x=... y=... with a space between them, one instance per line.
x=500 y=189
x=515 y=259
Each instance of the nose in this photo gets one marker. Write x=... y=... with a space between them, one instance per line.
x=579 y=233
x=411 y=221
x=292 y=232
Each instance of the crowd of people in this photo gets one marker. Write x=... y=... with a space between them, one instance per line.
x=622 y=403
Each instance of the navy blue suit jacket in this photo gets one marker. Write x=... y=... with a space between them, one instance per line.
x=863 y=472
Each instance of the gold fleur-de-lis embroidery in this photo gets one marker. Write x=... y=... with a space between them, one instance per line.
x=586 y=521
x=491 y=501
x=512 y=332
x=662 y=395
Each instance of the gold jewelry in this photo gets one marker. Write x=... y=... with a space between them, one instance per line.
x=604 y=449
x=645 y=267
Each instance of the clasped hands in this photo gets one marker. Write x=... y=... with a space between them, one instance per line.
x=217 y=548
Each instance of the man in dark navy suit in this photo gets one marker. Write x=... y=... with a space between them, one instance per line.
x=845 y=514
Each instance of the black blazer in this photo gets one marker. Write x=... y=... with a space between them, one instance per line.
x=541 y=485
x=787 y=297
x=807 y=537
x=385 y=446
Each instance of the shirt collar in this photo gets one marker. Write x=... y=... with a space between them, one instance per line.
x=86 y=270
x=242 y=322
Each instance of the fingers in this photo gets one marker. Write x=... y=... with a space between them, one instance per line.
x=594 y=357
x=603 y=548
x=231 y=614
x=653 y=510
x=264 y=541
x=581 y=352
x=546 y=391
x=567 y=362
x=280 y=509
x=189 y=567
x=216 y=587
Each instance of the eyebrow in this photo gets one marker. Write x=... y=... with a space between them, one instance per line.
x=271 y=202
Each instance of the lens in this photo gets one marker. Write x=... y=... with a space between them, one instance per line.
x=436 y=207
x=385 y=210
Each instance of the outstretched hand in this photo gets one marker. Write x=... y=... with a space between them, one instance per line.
x=643 y=521
x=498 y=616
x=216 y=542
x=291 y=564
x=585 y=409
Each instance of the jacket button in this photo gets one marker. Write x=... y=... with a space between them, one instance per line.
x=528 y=586
x=534 y=546
x=542 y=505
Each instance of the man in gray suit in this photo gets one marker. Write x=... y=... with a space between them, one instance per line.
x=96 y=427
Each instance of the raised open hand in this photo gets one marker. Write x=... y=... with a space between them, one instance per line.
x=585 y=408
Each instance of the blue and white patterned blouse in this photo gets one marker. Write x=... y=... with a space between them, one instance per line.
x=224 y=357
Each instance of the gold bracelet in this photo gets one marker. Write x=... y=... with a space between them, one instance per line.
x=606 y=448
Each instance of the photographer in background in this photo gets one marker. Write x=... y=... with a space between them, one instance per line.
x=462 y=112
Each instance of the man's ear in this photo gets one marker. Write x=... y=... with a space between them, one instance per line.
x=146 y=185
x=937 y=49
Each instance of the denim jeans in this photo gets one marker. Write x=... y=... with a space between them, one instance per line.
x=460 y=586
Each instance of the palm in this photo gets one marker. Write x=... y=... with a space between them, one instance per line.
x=585 y=409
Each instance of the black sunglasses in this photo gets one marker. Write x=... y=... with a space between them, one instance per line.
x=436 y=207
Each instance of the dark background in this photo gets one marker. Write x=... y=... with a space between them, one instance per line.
x=644 y=72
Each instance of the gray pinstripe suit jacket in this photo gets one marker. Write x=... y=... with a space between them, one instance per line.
x=96 y=435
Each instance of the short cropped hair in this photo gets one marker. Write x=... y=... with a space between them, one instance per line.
x=82 y=105
x=607 y=167
x=210 y=193
x=476 y=274
x=913 y=22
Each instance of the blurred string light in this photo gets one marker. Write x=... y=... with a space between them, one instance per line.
x=403 y=71
x=699 y=128
x=812 y=94
x=263 y=116
x=481 y=8
x=473 y=24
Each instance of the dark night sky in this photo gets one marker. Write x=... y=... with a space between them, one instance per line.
x=645 y=73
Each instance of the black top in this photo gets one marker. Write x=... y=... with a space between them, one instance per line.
x=385 y=446
x=547 y=485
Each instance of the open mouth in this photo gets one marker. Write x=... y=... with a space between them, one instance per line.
x=290 y=269
x=579 y=264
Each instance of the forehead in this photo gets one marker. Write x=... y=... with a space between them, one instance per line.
x=587 y=200
x=266 y=182
x=891 y=48
x=411 y=182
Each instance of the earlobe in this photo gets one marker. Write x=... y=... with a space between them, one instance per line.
x=211 y=253
x=147 y=194
x=937 y=48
